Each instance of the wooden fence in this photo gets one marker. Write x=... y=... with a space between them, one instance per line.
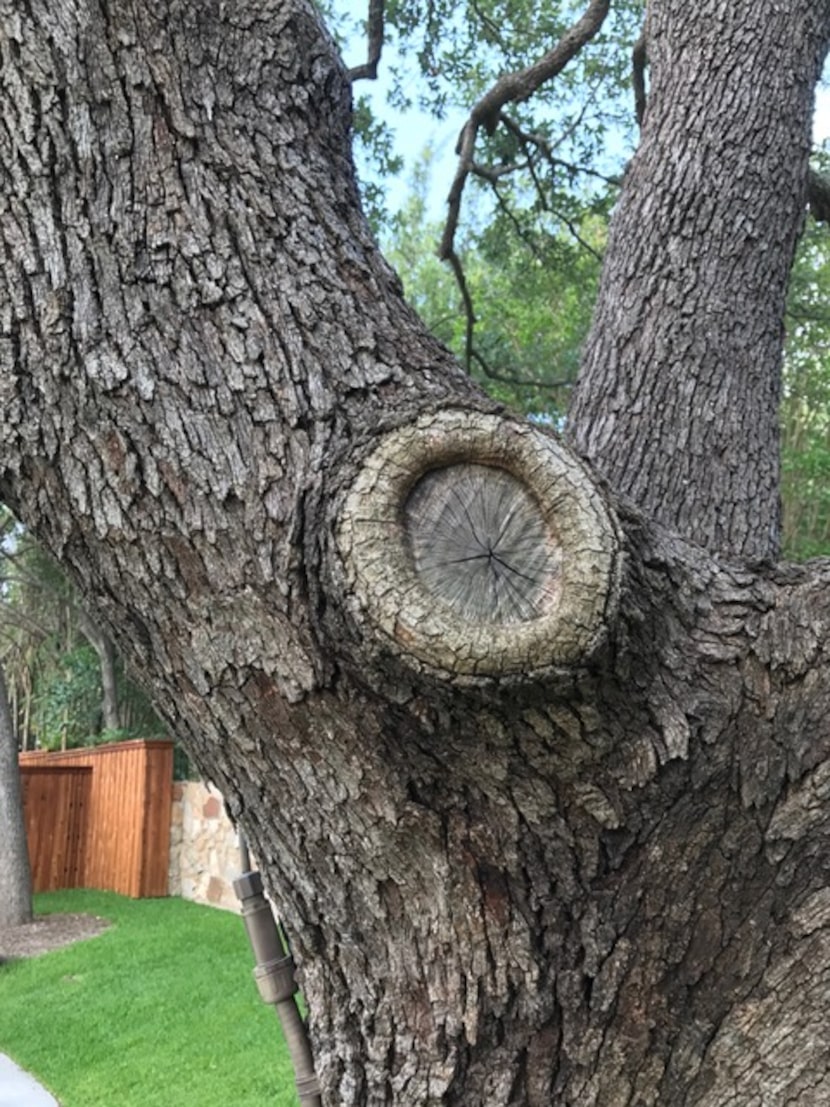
x=102 y=822
x=55 y=799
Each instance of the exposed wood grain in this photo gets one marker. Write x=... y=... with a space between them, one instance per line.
x=481 y=543
x=478 y=547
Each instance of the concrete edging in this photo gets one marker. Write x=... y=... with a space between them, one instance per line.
x=19 y=1089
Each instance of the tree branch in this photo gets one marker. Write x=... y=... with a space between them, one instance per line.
x=493 y=174
x=521 y=233
x=513 y=88
x=517 y=87
x=469 y=311
x=510 y=88
x=490 y=25
x=818 y=196
x=518 y=382
x=525 y=141
x=530 y=138
x=374 y=35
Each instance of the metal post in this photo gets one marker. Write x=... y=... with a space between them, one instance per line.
x=274 y=974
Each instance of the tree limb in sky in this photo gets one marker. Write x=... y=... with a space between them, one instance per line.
x=534 y=139
x=513 y=88
x=487 y=113
x=514 y=380
x=374 y=35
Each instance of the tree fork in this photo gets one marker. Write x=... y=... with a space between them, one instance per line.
x=603 y=885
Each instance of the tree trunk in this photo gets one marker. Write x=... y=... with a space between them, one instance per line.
x=103 y=646
x=556 y=841
x=15 y=873
x=25 y=729
x=697 y=272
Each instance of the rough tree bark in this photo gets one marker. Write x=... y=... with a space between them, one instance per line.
x=698 y=273
x=574 y=851
x=15 y=872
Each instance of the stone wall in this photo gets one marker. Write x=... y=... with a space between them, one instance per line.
x=204 y=852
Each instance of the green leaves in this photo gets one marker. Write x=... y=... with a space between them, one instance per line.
x=534 y=217
x=805 y=409
x=53 y=673
x=532 y=283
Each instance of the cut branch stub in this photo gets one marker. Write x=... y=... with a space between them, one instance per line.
x=481 y=544
x=480 y=548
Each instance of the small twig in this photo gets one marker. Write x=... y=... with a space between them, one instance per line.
x=489 y=23
x=464 y=149
x=529 y=138
x=493 y=174
x=469 y=311
x=519 y=382
x=540 y=191
x=577 y=121
x=374 y=35
x=638 y=77
x=519 y=229
x=806 y=316
x=523 y=139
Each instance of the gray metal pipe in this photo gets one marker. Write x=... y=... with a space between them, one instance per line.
x=274 y=975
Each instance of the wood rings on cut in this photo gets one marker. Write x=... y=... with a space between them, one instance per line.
x=479 y=547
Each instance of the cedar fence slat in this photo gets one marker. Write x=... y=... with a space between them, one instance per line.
x=102 y=818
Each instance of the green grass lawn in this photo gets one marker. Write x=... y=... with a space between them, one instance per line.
x=161 y=1009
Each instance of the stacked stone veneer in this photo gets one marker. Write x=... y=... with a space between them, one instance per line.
x=204 y=851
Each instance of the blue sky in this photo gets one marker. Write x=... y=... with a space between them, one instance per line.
x=413 y=134
x=821 y=122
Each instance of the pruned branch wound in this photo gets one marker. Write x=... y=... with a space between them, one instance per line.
x=478 y=548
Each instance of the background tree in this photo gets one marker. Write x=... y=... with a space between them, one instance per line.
x=15 y=873
x=545 y=818
x=805 y=409
x=67 y=685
